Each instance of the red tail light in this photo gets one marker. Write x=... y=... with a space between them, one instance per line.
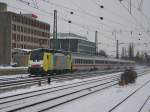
x=36 y=66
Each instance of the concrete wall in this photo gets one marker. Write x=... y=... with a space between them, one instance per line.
x=21 y=60
x=5 y=38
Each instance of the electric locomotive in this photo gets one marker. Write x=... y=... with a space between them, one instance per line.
x=48 y=61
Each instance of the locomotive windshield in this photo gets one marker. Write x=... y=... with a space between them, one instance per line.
x=36 y=55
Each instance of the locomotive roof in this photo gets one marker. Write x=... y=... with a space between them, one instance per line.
x=50 y=50
x=101 y=58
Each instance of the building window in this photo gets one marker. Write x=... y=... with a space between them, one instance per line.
x=43 y=34
x=28 y=39
x=21 y=29
x=18 y=37
x=18 y=18
x=25 y=47
x=21 y=37
x=18 y=28
x=22 y=46
x=14 y=27
x=13 y=45
x=26 y=21
x=25 y=30
x=14 y=17
x=22 y=20
x=24 y=38
x=32 y=31
x=14 y=36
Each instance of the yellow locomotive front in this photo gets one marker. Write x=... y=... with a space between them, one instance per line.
x=48 y=61
x=39 y=62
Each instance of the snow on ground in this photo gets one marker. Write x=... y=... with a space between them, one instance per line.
x=146 y=107
x=14 y=76
x=10 y=67
x=104 y=100
x=53 y=84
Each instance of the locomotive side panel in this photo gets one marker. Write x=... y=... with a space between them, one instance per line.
x=60 y=62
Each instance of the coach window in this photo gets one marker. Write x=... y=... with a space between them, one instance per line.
x=86 y=61
x=81 y=61
x=90 y=61
x=75 y=61
x=78 y=61
x=96 y=61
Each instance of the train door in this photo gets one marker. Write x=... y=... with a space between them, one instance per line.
x=46 y=62
x=69 y=62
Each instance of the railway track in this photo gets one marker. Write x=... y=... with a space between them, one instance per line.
x=129 y=96
x=148 y=98
x=55 y=96
x=27 y=82
x=7 y=79
x=46 y=99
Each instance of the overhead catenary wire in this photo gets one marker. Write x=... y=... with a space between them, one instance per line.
x=85 y=13
x=67 y=8
x=141 y=12
x=115 y=14
x=134 y=18
x=140 y=24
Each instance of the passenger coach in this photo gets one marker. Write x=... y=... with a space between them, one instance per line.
x=95 y=62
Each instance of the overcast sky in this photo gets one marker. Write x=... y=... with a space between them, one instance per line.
x=117 y=23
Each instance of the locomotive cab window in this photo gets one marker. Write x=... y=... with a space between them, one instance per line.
x=36 y=55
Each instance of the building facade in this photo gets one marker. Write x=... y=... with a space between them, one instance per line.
x=75 y=45
x=21 y=31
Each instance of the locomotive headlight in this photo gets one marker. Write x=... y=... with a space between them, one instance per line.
x=29 y=64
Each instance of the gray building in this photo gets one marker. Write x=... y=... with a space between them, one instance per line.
x=20 y=31
x=75 y=45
